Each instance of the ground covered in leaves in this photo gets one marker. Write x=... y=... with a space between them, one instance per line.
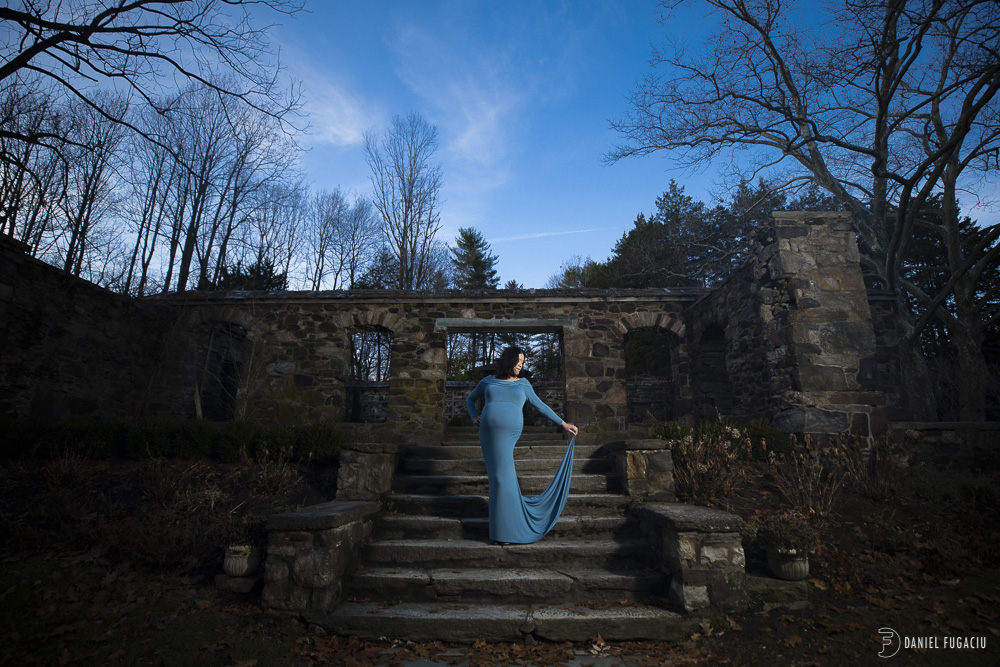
x=113 y=563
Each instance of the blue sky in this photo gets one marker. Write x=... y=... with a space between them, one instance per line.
x=521 y=94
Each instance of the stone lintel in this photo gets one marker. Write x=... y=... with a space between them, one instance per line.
x=462 y=324
x=689 y=518
x=324 y=516
x=678 y=295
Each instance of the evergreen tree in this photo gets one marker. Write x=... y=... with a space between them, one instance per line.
x=472 y=264
x=259 y=277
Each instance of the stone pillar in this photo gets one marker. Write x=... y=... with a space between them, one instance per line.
x=310 y=554
x=417 y=385
x=366 y=471
x=595 y=377
x=815 y=312
x=645 y=468
x=701 y=549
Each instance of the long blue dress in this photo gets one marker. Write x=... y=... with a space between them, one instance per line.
x=513 y=517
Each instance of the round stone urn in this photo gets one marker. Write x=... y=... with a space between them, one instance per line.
x=241 y=561
x=788 y=564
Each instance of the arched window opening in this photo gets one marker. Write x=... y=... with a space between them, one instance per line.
x=368 y=385
x=713 y=391
x=219 y=384
x=650 y=387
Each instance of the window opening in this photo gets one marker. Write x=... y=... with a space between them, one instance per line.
x=713 y=390
x=220 y=378
x=368 y=385
x=650 y=387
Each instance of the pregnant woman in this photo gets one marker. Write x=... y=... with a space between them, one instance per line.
x=514 y=518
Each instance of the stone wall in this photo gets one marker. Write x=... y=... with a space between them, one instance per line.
x=296 y=351
x=788 y=337
x=69 y=348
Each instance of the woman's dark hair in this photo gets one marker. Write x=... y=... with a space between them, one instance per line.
x=508 y=359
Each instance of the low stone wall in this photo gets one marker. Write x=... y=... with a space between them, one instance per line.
x=310 y=552
x=645 y=469
x=702 y=550
x=950 y=445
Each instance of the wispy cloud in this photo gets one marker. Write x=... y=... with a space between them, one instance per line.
x=475 y=90
x=540 y=235
x=337 y=116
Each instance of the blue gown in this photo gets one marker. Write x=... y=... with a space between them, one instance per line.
x=513 y=517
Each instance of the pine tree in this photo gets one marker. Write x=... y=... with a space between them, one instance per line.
x=472 y=263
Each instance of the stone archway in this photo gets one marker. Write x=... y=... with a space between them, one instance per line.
x=223 y=350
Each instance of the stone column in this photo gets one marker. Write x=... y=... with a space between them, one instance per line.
x=417 y=384
x=817 y=319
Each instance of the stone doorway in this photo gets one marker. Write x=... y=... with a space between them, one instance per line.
x=471 y=355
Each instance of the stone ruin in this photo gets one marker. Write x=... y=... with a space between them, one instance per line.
x=788 y=338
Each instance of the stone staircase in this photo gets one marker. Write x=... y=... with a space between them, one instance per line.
x=430 y=572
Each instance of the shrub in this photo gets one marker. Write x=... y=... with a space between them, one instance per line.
x=811 y=477
x=198 y=438
x=245 y=530
x=766 y=438
x=161 y=437
x=788 y=531
x=272 y=474
x=672 y=430
x=709 y=465
x=320 y=441
x=872 y=469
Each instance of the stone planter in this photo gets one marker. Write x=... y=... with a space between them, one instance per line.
x=242 y=561
x=788 y=564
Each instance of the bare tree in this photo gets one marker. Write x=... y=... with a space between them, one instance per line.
x=30 y=177
x=325 y=218
x=275 y=233
x=357 y=242
x=141 y=48
x=92 y=178
x=406 y=186
x=153 y=175
x=875 y=107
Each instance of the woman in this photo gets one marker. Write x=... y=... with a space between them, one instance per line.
x=514 y=518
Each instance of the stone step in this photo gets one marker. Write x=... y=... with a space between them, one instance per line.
x=527 y=433
x=521 y=442
x=479 y=484
x=571 y=553
x=467 y=623
x=414 y=466
x=598 y=504
x=506 y=584
x=438 y=527
x=473 y=451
